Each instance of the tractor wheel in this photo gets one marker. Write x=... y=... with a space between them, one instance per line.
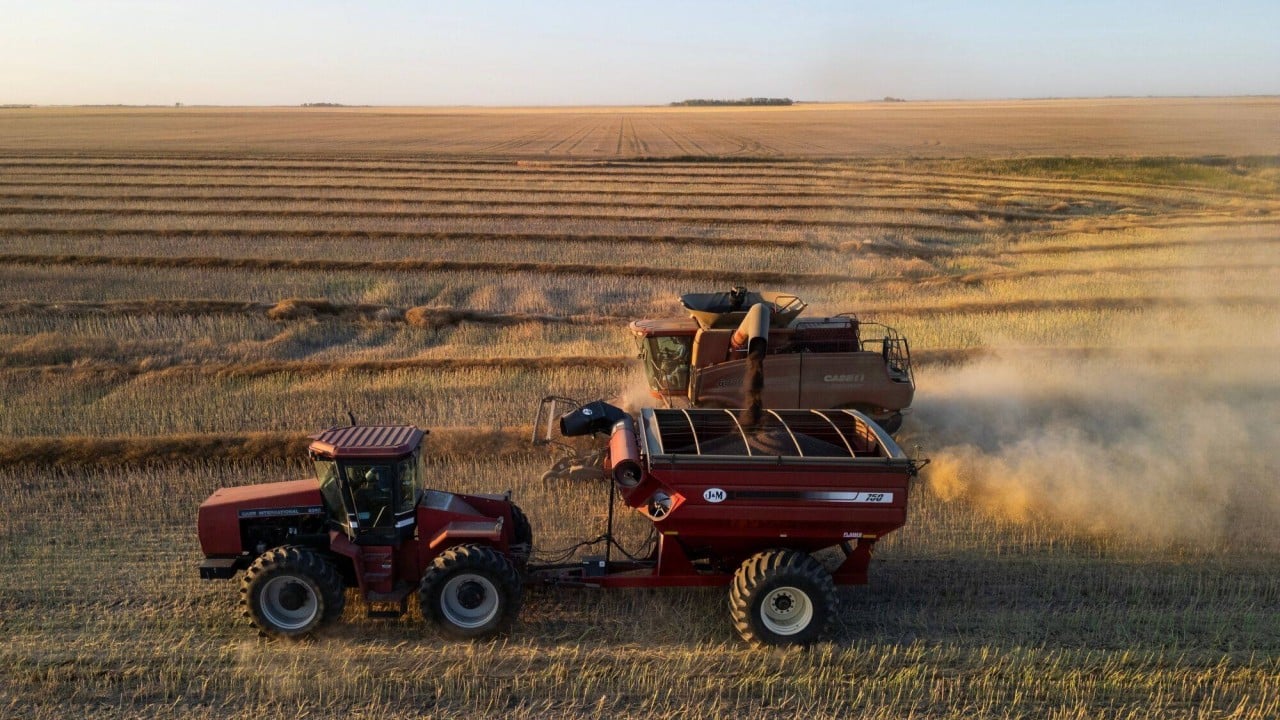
x=292 y=591
x=522 y=546
x=782 y=597
x=470 y=592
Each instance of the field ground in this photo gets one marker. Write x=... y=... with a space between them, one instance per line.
x=1103 y=127
x=1095 y=340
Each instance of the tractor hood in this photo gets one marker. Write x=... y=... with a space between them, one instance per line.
x=221 y=512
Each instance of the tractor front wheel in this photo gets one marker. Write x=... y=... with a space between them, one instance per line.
x=470 y=592
x=291 y=592
x=782 y=597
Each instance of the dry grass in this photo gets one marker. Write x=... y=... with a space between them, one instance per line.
x=176 y=315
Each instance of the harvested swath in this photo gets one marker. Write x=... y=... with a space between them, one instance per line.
x=705 y=167
x=1131 y=245
x=922 y=357
x=294 y=308
x=1251 y=219
x=1070 y=184
x=1098 y=303
x=488 y=215
x=449 y=442
x=883 y=248
x=709 y=170
x=983 y=277
x=224 y=263
x=961 y=356
x=116 y=209
x=441 y=317
x=409 y=236
x=263 y=368
x=438 y=317
x=924 y=181
x=249 y=190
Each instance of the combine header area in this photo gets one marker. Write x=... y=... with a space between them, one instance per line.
x=703 y=360
x=752 y=504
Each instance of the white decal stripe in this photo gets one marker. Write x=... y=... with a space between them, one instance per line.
x=851 y=497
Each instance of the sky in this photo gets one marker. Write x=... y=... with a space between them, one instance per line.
x=281 y=52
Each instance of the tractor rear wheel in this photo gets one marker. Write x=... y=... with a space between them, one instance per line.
x=782 y=597
x=470 y=592
x=291 y=591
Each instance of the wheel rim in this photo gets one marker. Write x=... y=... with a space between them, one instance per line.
x=786 y=611
x=469 y=600
x=289 y=603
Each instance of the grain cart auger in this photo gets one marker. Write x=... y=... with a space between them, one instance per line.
x=781 y=510
x=833 y=362
x=367 y=521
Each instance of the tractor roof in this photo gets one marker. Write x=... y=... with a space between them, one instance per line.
x=367 y=441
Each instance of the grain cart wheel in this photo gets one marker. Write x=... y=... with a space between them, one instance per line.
x=291 y=591
x=469 y=592
x=782 y=597
x=522 y=548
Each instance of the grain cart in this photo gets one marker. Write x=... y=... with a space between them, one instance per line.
x=831 y=362
x=367 y=521
x=749 y=505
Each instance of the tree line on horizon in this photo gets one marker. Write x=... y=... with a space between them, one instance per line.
x=702 y=102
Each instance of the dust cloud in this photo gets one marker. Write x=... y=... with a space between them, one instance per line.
x=635 y=394
x=1173 y=446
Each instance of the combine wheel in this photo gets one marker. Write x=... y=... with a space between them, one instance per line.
x=782 y=597
x=892 y=424
x=291 y=591
x=469 y=592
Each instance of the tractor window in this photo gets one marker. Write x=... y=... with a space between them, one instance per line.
x=327 y=473
x=372 y=487
x=407 y=471
x=667 y=363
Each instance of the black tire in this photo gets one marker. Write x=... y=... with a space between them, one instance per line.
x=522 y=537
x=291 y=592
x=470 y=592
x=782 y=597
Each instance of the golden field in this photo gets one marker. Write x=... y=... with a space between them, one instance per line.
x=1089 y=288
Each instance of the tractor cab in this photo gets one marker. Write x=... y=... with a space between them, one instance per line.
x=371 y=478
x=666 y=349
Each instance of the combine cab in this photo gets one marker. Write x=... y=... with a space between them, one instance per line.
x=833 y=362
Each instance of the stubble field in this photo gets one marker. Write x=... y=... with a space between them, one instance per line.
x=185 y=294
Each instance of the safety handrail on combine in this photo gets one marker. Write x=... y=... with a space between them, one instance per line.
x=551 y=407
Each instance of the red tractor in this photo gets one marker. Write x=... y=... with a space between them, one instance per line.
x=367 y=521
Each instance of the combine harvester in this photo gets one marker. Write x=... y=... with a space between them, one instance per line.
x=779 y=505
x=833 y=362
